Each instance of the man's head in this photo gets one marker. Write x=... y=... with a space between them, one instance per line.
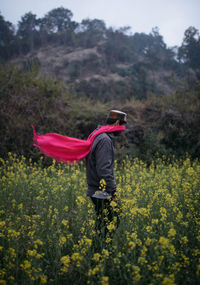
x=116 y=118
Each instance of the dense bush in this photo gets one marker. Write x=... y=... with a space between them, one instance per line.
x=28 y=99
x=169 y=125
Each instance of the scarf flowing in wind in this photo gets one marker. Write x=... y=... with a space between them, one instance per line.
x=67 y=149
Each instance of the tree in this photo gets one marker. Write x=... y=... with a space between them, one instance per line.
x=57 y=24
x=189 y=52
x=139 y=43
x=7 y=39
x=117 y=46
x=155 y=50
x=58 y=20
x=91 y=32
x=28 y=34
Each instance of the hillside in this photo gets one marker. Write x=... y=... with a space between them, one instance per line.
x=92 y=74
x=103 y=63
x=89 y=71
x=167 y=125
x=62 y=76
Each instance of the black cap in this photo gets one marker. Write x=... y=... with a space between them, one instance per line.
x=117 y=115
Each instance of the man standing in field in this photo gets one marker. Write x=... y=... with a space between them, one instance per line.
x=100 y=174
x=99 y=150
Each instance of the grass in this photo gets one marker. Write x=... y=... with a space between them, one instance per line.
x=47 y=225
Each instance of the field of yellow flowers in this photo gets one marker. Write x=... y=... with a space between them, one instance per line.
x=47 y=225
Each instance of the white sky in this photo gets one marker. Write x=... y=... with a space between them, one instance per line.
x=172 y=17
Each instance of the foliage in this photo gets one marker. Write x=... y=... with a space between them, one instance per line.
x=167 y=125
x=48 y=225
x=27 y=33
x=58 y=25
x=51 y=106
x=90 y=32
x=190 y=49
x=27 y=100
x=123 y=63
x=179 y=126
x=7 y=39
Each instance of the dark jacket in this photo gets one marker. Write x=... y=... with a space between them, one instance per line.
x=100 y=164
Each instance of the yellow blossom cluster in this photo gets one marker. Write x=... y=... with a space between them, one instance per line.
x=48 y=234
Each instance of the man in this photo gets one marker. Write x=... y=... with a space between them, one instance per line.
x=100 y=170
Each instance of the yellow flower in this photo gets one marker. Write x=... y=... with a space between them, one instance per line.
x=108 y=240
x=105 y=252
x=66 y=262
x=80 y=201
x=2 y=273
x=148 y=241
x=95 y=270
x=171 y=232
x=13 y=234
x=77 y=258
x=136 y=273
x=104 y=280
x=43 y=279
x=65 y=222
x=164 y=242
x=132 y=245
x=96 y=257
x=198 y=270
x=169 y=280
x=62 y=241
x=163 y=213
x=88 y=242
x=20 y=206
x=148 y=229
x=179 y=216
x=2 y=224
x=184 y=239
x=37 y=242
x=113 y=204
x=102 y=185
x=155 y=221
x=33 y=253
x=26 y=265
x=111 y=227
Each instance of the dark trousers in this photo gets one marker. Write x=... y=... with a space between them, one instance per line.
x=104 y=215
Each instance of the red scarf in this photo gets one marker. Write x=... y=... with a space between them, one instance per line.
x=66 y=149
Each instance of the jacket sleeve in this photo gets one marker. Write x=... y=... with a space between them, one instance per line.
x=105 y=163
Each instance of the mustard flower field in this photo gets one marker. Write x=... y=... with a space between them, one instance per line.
x=47 y=225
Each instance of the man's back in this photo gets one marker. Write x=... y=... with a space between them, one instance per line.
x=100 y=164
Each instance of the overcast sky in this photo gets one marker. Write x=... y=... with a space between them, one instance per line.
x=172 y=17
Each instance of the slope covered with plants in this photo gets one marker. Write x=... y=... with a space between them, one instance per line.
x=102 y=62
x=168 y=126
